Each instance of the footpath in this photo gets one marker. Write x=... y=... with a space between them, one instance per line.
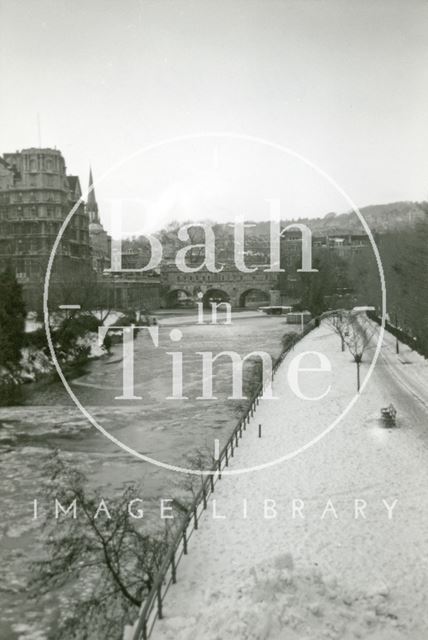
x=331 y=542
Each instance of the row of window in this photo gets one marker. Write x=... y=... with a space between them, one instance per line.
x=219 y=277
x=42 y=162
x=24 y=227
x=15 y=197
x=31 y=212
x=27 y=244
x=42 y=212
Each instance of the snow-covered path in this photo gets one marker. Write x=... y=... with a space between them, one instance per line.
x=326 y=570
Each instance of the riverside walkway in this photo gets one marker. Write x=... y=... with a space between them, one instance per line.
x=330 y=543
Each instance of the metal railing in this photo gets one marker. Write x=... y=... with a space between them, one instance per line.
x=152 y=607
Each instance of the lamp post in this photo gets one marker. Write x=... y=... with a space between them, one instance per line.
x=358 y=358
x=397 y=343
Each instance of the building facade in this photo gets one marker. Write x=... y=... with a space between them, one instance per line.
x=36 y=195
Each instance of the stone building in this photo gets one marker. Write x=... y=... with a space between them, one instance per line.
x=123 y=290
x=36 y=195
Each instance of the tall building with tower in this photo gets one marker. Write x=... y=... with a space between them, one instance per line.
x=36 y=195
x=99 y=239
x=126 y=289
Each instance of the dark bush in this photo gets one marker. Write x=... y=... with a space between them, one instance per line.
x=73 y=328
x=288 y=339
x=36 y=339
x=405 y=338
x=10 y=393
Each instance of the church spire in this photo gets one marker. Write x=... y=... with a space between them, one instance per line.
x=91 y=205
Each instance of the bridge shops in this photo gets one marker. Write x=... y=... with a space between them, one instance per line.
x=231 y=285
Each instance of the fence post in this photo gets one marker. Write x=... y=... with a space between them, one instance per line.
x=159 y=595
x=219 y=469
x=236 y=439
x=204 y=495
x=227 y=457
x=195 y=517
x=173 y=569
x=212 y=482
x=184 y=542
x=260 y=430
x=231 y=448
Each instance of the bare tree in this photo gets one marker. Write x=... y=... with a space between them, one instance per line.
x=339 y=322
x=103 y=567
x=358 y=337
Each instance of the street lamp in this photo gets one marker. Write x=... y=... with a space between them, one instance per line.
x=397 y=343
x=358 y=359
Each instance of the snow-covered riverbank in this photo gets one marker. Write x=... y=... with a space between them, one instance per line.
x=76 y=341
x=332 y=543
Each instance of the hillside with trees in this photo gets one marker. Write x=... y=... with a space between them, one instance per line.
x=404 y=255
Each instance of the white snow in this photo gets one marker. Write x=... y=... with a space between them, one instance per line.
x=32 y=325
x=276 y=600
x=330 y=569
x=34 y=363
x=90 y=339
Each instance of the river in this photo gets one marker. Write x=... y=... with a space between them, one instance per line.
x=169 y=431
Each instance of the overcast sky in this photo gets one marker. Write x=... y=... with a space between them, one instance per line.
x=344 y=84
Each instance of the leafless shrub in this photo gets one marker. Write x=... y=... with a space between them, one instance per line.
x=339 y=322
x=102 y=566
x=358 y=337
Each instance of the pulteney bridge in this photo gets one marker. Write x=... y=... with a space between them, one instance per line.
x=229 y=285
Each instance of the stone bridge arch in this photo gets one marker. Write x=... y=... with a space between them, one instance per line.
x=254 y=297
x=229 y=285
x=216 y=294
x=175 y=295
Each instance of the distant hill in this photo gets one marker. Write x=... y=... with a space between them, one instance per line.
x=379 y=217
